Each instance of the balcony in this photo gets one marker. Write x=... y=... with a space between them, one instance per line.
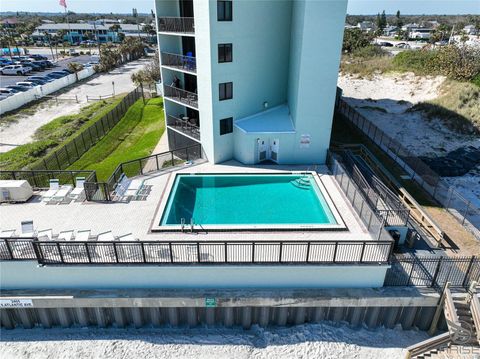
x=180 y=62
x=182 y=25
x=184 y=125
x=182 y=96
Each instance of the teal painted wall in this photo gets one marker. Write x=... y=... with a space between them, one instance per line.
x=28 y=275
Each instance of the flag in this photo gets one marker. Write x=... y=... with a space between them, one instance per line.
x=63 y=3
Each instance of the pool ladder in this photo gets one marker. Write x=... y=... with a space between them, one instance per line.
x=302 y=182
x=182 y=224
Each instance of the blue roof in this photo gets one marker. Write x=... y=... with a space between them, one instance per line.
x=276 y=119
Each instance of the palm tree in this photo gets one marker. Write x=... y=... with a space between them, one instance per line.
x=61 y=37
x=114 y=28
x=75 y=67
x=47 y=35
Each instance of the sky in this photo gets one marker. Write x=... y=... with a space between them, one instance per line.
x=355 y=7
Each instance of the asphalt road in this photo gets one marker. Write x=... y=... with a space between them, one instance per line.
x=61 y=64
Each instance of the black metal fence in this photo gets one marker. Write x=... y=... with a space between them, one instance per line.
x=65 y=156
x=154 y=163
x=189 y=252
x=433 y=271
x=176 y=24
x=369 y=216
x=429 y=180
x=379 y=196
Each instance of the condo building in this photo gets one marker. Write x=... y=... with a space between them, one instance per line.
x=252 y=81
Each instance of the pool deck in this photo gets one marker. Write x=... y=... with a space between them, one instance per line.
x=138 y=217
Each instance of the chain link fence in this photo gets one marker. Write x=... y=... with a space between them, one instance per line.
x=466 y=212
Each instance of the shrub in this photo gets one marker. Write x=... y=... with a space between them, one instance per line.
x=417 y=61
x=369 y=51
x=354 y=39
x=476 y=80
x=457 y=62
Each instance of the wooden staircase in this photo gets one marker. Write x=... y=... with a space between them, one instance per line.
x=463 y=337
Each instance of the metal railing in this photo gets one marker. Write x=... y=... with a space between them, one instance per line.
x=462 y=209
x=184 y=25
x=369 y=216
x=180 y=95
x=432 y=271
x=187 y=63
x=184 y=126
x=40 y=179
x=190 y=252
x=153 y=163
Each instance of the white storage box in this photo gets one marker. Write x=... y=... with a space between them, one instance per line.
x=15 y=191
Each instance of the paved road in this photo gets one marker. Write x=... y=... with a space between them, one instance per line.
x=12 y=80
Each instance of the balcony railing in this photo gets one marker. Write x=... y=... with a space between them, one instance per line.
x=187 y=63
x=184 y=126
x=176 y=24
x=180 y=95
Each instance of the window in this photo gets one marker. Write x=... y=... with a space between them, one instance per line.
x=225 y=91
x=224 y=10
x=226 y=126
x=224 y=52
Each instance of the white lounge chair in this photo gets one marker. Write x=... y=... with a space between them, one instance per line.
x=79 y=190
x=106 y=237
x=45 y=234
x=65 y=235
x=61 y=194
x=133 y=188
x=27 y=229
x=126 y=238
x=7 y=233
x=54 y=187
x=82 y=236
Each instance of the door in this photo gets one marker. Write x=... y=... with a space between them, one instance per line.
x=274 y=150
x=261 y=150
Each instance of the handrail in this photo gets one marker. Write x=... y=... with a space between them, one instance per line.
x=176 y=24
x=449 y=309
x=185 y=126
x=427 y=345
x=475 y=310
x=187 y=63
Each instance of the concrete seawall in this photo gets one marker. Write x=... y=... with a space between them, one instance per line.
x=409 y=307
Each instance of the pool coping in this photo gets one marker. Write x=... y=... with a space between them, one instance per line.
x=339 y=226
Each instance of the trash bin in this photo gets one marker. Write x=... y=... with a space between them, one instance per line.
x=396 y=237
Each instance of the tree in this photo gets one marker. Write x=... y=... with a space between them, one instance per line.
x=383 y=19
x=61 y=37
x=75 y=67
x=355 y=39
x=399 y=21
x=149 y=74
x=47 y=36
x=115 y=28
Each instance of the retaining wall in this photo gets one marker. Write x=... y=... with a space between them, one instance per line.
x=13 y=102
x=408 y=307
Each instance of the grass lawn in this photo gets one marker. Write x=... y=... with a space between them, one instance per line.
x=55 y=134
x=136 y=135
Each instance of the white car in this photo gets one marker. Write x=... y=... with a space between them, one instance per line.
x=26 y=84
x=3 y=97
x=15 y=70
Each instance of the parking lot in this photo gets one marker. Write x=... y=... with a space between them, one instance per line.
x=6 y=80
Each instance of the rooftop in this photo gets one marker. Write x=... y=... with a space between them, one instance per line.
x=276 y=120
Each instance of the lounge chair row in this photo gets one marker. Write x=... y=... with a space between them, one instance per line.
x=58 y=194
x=80 y=236
x=127 y=188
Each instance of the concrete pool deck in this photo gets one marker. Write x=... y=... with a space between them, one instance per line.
x=137 y=217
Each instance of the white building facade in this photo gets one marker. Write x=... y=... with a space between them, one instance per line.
x=251 y=81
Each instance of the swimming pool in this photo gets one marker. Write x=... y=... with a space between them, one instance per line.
x=248 y=201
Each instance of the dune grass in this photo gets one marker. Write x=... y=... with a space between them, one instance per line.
x=55 y=134
x=136 y=135
x=458 y=107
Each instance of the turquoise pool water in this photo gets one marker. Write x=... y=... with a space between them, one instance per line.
x=246 y=199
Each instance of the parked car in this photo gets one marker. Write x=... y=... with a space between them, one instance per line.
x=38 y=57
x=18 y=88
x=28 y=84
x=15 y=70
x=30 y=64
x=36 y=82
x=73 y=52
x=39 y=78
x=10 y=92
x=61 y=73
x=5 y=62
x=54 y=76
